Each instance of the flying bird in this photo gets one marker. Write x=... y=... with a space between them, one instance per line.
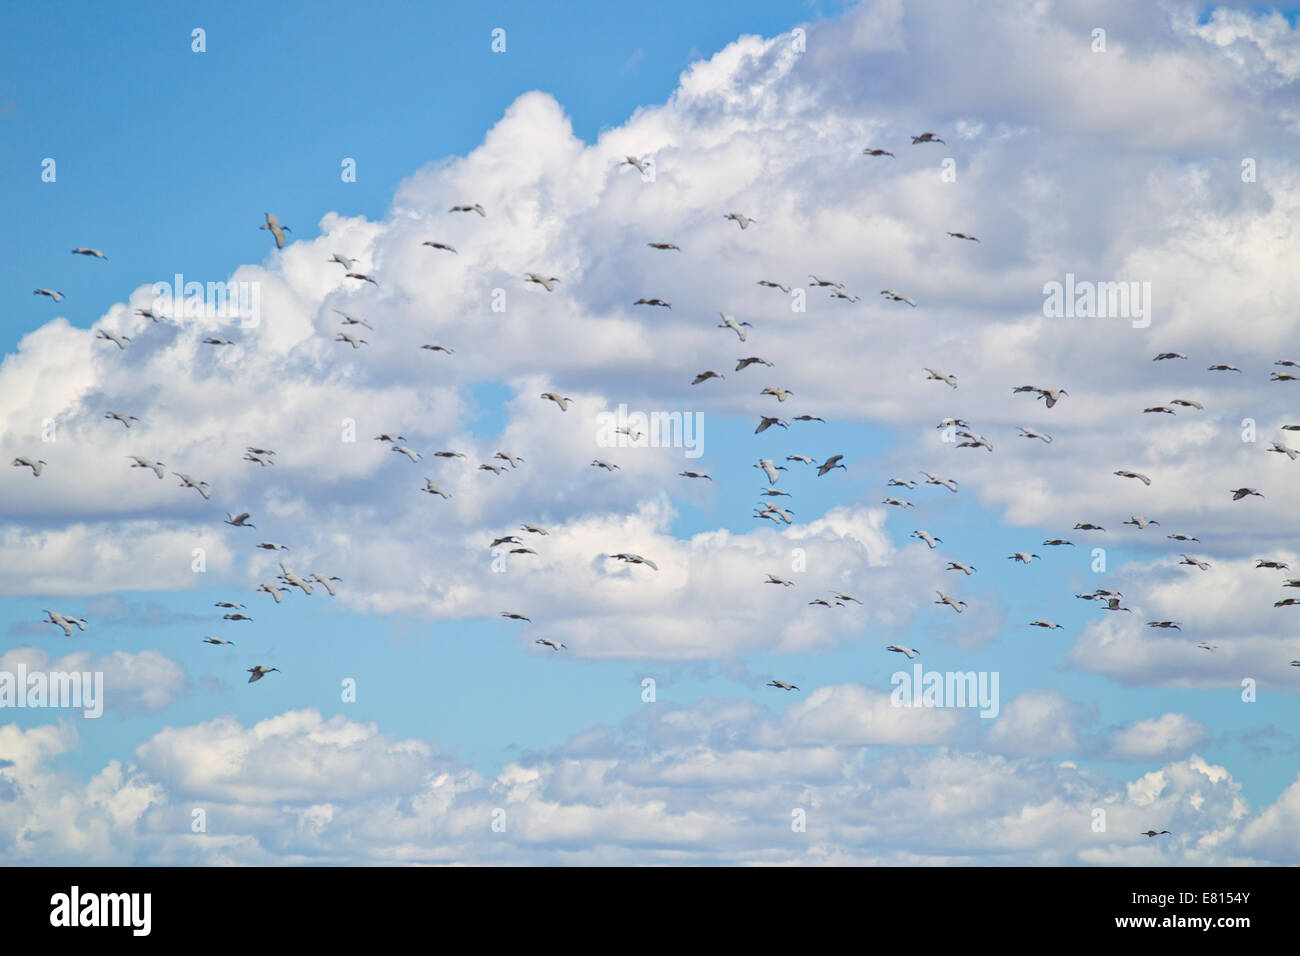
x=729 y=322
x=546 y=282
x=474 y=208
x=35 y=466
x=64 y=622
x=189 y=482
x=272 y=225
x=156 y=466
x=742 y=221
x=82 y=251
x=260 y=671
x=56 y=296
x=908 y=652
x=926 y=138
x=1133 y=474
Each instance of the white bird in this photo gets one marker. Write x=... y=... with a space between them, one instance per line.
x=908 y=652
x=1046 y=624
x=403 y=450
x=1023 y=557
x=1113 y=605
x=780 y=394
x=766 y=283
x=239 y=520
x=1282 y=449
x=558 y=400
x=64 y=622
x=260 y=671
x=546 y=282
x=741 y=220
x=1133 y=474
x=1140 y=522
x=770 y=469
x=926 y=138
x=1052 y=395
x=326 y=582
x=391 y=438
x=273 y=226
x=271 y=589
x=766 y=422
x=782 y=513
x=781 y=685
x=138 y=462
x=230 y=604
x=898 y=502
x=188 y=482
x=940 y=377
x=958 y=566
x=1031 y=433
x=845 y=597
x=729 y=322
x=433 y=489
x=948 y=483
x=291 y=579
x=1195 y=562
x=598 y=463
x=353 y=320
x=821 y=282
x=272 y=546
x=216 y=640
x=633 y=161
x=506 y=456
x=629 y=558
x=118 y=340
x=495 y=469
x=82 y=251
x=1163 y=356
x=344 y=261
x=533 y=529
x=474 y=208
x=752 y=360
x=352 y=340
x=928 y=538
x=363 y=276
x=35 y=466
x=547 y=642
x=56 y=296
x=893 y=296
x=150 y=314
x=773 y=579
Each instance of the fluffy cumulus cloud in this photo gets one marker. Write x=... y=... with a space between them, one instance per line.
x=708 y=785
x=1117 y=165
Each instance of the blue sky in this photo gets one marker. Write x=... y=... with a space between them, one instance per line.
x=167 y=160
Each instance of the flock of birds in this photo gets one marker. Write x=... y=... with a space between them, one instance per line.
x=767 y=509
